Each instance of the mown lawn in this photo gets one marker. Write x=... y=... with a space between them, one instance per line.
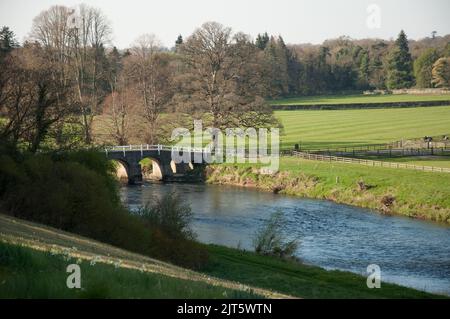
x=26 y=273
x=339 y=128
x=359 y=98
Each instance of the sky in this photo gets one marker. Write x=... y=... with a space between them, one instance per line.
x=298 y=21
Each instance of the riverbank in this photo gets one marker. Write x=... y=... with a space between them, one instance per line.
x=33 y=264
x=414 y=194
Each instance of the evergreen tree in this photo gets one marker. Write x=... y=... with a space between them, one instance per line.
x=262 y=40
x=364 y=67
x=7 y=40
x=400 y=68
x=179 y=41
x=276 y=65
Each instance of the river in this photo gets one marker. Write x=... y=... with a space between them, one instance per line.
x=409 y=252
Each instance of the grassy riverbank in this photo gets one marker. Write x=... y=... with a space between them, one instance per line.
x=296 y=279
x=27 y=273
x=413 y=193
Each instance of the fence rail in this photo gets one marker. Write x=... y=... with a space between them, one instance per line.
x=148 y=147
x=382 y=151
x=349 y=160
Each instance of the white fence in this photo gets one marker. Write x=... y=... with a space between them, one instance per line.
x=366 y=162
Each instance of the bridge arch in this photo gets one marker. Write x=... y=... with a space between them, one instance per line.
x=151 y=168
x=122 y=169
x=181 y=168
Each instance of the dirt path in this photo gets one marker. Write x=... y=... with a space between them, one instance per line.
x=44 y=238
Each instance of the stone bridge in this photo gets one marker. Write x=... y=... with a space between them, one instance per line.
x=163 y=167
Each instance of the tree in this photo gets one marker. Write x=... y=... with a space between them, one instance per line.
x=364 y=67
x=8 y=40
x=152 y=73
x=120 y=106
x=88 y=36
x=262 y=40
x=179 y=41
x=423 y=66
x=441 y=73
x=276 y=68
x=216 y=66
x=32 y=105
x=400 y=70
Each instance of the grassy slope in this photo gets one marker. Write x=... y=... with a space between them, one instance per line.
x=348 y=99
x=26 y=273
x=296 y=279
x=338 y=128
x=417 y=194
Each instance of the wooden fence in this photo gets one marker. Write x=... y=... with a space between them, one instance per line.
x=349 y=160
x=389 y=152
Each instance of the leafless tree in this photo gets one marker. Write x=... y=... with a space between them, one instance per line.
x=120 y=106
x=221 y=82
x=89 y=33
x=152 y=73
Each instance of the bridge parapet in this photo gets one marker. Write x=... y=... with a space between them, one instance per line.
x=161 y=155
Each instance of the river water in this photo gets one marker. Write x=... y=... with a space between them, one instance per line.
x=409 y=252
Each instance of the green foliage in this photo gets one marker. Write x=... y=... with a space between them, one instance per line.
x=171 y=214
x=270 y=238
x=423 y=66
x=7 y=40
x=400 y=69
x=262 y=40
x=76 y=192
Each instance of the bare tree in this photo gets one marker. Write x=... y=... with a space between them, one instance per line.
x=221 y=82
x=151 y=71
x=89 y=33
x=120 y=106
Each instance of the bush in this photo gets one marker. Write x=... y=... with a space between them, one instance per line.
x=171 y=215
x=270 y=239
x=77 y=192
x=169 y=219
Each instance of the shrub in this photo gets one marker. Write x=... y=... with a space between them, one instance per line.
x=77 y=192
x=270 y=239
x=168 y=218
x=171 y=214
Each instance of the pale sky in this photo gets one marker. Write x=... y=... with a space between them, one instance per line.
x=298 y=21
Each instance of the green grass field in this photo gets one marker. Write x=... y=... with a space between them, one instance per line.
x=339 y=128
x=350 y=99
